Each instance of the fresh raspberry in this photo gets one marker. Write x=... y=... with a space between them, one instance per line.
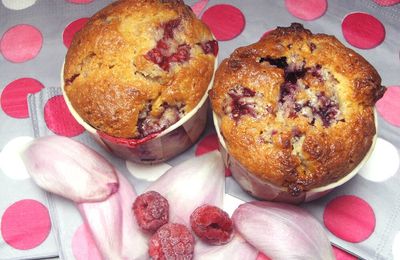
x=212 y=225
x=151 y=211
x=172 y=241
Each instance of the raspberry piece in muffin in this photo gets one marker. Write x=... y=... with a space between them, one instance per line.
x=243 y=101
x=163 y=54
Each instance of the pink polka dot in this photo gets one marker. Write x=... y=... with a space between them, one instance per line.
x=71 y=29
x=363 y=30
x=387 y=2
x=83 y=245
x=199 y=6
x=225 y=21
x=306 y=9
x=349 y=218
x=25 y=224
x=261 y=256
x=389 y=106
x=80 y=1
x=58 y=118
x=13 y=98
x=208 y=144
x=342 y=255
x=21 y=43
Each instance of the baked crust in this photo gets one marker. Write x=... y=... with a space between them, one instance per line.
x=138 y=66
x=296 y=108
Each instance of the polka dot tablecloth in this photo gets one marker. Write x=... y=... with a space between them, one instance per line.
x=362 y=218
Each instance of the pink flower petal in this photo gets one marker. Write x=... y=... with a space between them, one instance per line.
x=70 y=169
x=113 y=225
x=198 y=181
x=236 y=249
x=265 y=225
x=199 y=6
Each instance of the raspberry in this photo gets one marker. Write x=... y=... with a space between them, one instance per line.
x=244 y=101
x=182 y=54
x=210 y=47
x=172 y=241
x=161 y=54
x=169 y=28
x=212 y=225
x=151 y=211
x=327 y=110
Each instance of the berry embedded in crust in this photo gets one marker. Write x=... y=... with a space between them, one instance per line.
x=139 y=66
x=296 y=108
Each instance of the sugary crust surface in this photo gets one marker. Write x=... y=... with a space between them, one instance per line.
x=296 y=108
x=133 y=60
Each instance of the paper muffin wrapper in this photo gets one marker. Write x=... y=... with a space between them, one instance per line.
x=158 y=147
x=265 y=190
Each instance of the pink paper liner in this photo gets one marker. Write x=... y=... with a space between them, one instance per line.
x=265 y=190
x=157 y=147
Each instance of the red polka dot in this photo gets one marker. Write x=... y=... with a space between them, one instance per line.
x=342 y=255
x=25 y=224
x=13 y=98
x=349 y=218
x=363 y=30
x=21 y=43
x=83 y=245
x=306 y=9
x=80 y=1
x=208 y=144
x=261 y=256
x=389 y=106
x=225 y=21
x=71 y=29
x=387 y=2
x=58 y=118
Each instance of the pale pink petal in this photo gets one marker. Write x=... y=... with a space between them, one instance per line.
x=282 y=231
x=198 y=181
x=236 y=249
x=70 y=169
x=113 y=225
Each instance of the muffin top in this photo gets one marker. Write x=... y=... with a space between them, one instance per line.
x=296 y=108
x=138 y=66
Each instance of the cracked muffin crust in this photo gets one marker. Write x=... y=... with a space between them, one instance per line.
x=138 y=66
x=296 y=108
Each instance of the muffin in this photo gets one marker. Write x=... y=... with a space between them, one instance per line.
x=296 y=109
x=139 y=66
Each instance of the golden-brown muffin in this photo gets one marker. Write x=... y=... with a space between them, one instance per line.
x=296 y=108
x=138 y=66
